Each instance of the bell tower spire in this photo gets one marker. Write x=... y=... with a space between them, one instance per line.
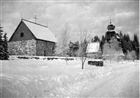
x=111 y=26
x=110 y=19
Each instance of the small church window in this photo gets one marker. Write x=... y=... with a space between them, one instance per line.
x=22 y=34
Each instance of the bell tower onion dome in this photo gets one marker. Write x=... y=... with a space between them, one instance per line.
x=110 y=26
x=111 y=32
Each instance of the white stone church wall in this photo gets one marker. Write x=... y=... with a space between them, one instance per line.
x=25 y=47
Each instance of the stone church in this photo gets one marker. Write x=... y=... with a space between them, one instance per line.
x=33 y=39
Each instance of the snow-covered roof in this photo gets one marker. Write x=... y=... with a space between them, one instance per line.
x=93 y=47
x=40 y=31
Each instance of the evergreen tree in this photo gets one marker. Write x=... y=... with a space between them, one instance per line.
x=96 y=39
x=73 y=48
x=121 y=35
x=5 y=47
x=130 y=47
x=1 y=35
x=135 y=43
x=1 y=45
x=126 y=44
x=102 y=42
x=127 y=38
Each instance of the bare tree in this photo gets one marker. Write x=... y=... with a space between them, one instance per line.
x=84 y=36
x=65 y=40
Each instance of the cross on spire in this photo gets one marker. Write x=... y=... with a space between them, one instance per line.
x=110 y=19
x=35 y=18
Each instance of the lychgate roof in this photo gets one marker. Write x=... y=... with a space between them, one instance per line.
x=93 y=47
x=40 y=31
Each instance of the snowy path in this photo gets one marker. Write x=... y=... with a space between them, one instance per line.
x=119 y=85
x=45 y=79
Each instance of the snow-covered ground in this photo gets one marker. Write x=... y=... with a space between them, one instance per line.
x=32 y=78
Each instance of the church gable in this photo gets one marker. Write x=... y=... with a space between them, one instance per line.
x=22 y=32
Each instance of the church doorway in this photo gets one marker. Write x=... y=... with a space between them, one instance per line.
x=45 y=54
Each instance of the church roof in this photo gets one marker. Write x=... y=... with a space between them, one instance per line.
x=40 y=31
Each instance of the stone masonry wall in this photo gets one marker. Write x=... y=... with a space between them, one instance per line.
x=24 y=47
x=44 y=48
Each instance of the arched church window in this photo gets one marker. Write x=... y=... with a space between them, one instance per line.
x=22 y=34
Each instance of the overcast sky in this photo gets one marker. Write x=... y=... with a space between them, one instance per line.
x=93 y=15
